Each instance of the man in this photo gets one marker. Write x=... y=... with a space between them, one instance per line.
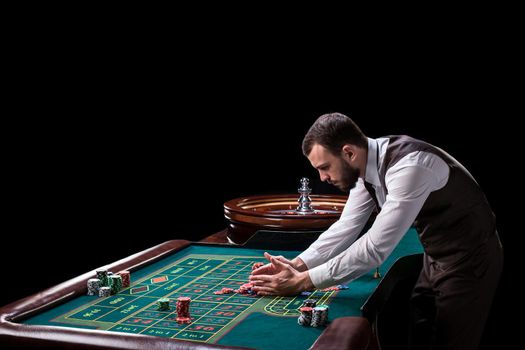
x=411 y=183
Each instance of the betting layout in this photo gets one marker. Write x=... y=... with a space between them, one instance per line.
x=198 y=277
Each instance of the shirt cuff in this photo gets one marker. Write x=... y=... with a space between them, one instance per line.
x=320 y=276
x=311 y=258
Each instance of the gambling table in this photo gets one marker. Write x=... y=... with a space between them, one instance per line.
x=64 y=316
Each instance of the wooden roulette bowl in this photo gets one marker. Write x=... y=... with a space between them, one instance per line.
x=246 y=215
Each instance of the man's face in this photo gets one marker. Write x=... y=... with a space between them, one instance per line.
x=334 y=169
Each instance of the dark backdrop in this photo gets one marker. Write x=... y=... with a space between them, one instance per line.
x=123 y=170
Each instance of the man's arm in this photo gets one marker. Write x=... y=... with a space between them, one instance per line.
x=336 y=239
x=343 y=232
x=287 y=277
x=408 y=189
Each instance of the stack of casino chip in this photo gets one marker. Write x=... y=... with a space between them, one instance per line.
x=306 y=316
x=126 y=281
x=163 y=304
x=115 y=284
x=310 y=303
x=246 y=289
x=312 y=315
x=93 y=286
x=319 y=316
x=256 y=265
x=104 y=292
x=338 y=287
x=224 y=290
x=102 y=275
x=183 y=310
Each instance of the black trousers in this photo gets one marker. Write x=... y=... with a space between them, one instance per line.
x=450 y=303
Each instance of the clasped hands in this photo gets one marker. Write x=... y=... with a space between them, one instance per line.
x=281 y=277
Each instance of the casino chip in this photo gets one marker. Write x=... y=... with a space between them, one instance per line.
x=104 y=292
x=183 y=310
x=115 y=283
x=163 y=304
x=102 y=275
x=257 y=265
x=93 y=286
x=126 y=280
x=313 y=316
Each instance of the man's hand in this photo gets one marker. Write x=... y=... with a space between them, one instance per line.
x=269 y=269
x=279 y=277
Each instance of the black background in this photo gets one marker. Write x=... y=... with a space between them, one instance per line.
x=124 y=163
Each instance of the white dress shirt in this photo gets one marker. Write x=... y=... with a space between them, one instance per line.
x=332 y=259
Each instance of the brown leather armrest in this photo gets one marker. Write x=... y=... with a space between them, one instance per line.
x=354 y=332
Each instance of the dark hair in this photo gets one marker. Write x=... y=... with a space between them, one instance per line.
x=333 y=131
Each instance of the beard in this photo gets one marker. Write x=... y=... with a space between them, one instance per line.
x=349 y=177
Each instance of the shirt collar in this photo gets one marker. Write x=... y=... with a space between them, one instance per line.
x=372 y=168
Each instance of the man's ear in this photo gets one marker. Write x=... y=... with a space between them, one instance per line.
x=348 y=151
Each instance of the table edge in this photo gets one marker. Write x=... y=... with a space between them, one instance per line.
x=37 y=336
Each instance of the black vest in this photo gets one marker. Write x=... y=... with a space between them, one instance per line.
x=454 y=220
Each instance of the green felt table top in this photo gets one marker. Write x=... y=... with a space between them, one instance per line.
x=231 y=319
